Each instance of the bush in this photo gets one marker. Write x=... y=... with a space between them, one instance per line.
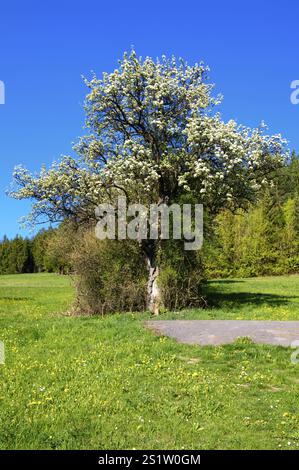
x=181 y=276
x=60 y=245
x=111 y=275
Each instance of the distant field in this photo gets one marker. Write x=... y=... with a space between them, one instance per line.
x=100 y=383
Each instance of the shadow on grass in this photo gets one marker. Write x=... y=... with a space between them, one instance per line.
x=15 y=299
x=224 y=281
x=222 y=299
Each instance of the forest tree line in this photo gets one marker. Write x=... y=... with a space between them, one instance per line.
x=263 y=240
x=41 y=253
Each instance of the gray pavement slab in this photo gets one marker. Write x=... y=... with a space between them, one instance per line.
x=217 y=332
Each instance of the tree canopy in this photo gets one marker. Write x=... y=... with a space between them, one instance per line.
x=153 y=135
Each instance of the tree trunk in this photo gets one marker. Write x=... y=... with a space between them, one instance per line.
x=153 y=290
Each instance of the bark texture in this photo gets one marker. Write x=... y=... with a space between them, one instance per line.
x=154 y=300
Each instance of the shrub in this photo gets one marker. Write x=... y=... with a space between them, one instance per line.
x=181 y=277
x=111 y=275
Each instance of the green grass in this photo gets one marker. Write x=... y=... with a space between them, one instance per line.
x=101 y=383
x=261 y=298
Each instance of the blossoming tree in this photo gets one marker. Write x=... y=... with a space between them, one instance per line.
x=153 y=135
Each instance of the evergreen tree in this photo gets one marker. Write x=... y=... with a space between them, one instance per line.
x=291 y=234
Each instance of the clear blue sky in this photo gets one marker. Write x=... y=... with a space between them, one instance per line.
x=252 y=48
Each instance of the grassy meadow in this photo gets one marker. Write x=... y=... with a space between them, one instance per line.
x=101 y=383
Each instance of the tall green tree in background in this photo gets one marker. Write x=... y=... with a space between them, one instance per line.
x=16 y=256
x=291 y=234
x=262 y=240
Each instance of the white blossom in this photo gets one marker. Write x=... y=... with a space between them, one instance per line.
x=153 y=134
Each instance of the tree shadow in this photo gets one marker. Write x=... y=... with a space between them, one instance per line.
x=235 y=299
x=15 y=299
x=224 y=281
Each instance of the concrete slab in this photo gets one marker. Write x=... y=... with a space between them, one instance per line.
x=217 y=332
